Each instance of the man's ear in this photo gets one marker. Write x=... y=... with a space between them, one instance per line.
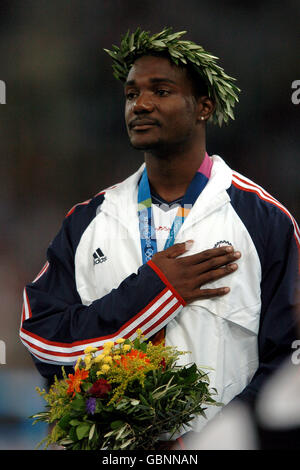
x=206 y=108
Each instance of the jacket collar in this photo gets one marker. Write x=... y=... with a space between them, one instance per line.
x=121 y=200
x=214 y=195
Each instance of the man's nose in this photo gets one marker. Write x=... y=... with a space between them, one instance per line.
x=143 y=104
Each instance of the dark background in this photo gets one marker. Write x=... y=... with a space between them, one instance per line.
x=62 y=132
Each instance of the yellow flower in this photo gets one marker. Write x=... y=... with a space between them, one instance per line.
x=126 y=347
x=107 y=359
x=99 y=358
x=88 y=362
x=105 y=368
x=108 y=345
x=90 y=349
x=120 y=340
x=77 y=364
x=117 y=357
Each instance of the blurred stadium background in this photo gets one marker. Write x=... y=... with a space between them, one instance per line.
x=63 y=138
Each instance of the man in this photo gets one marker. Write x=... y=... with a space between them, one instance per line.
x=185 y=249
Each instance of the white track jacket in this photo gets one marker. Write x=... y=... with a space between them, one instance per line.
x=95 y=288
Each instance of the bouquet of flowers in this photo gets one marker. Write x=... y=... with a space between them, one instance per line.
x=124 y=397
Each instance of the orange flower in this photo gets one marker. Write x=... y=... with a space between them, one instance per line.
x=76 y=379
x=135 y=354
x=128 y=359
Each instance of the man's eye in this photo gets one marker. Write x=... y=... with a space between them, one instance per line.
x=130 y=96
x=162 y=92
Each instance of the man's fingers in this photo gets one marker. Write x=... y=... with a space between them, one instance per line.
x=189 y=273
x=178 y=249
x=214 y=275
x=217 y=262
x=207 y=255
x=203 y=294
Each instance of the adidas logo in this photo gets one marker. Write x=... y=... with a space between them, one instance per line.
x=99 y=256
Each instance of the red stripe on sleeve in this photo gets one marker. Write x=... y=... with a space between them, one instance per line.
x=166 y=282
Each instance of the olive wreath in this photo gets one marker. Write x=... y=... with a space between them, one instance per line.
x=220 y=86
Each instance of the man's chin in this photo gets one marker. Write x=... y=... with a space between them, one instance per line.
x=146 y=145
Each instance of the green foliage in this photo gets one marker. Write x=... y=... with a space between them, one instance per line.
x=221 y=88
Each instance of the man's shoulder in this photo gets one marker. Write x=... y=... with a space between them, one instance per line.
x=89 y=205
x=92 y=204
x=247 y=197
x=250 y=197
x=88 y=209
x=269 y=223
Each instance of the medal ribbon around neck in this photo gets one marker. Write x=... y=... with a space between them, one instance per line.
x=145 y=213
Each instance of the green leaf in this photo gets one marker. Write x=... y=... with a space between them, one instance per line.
x=92 y=431
x=158 y=43
x=143 y=400
x=76 y=446
x=143 y=347
x=65 y=442
x=122 y=432
x=131 y=42
x=134 y=402
x=78 y=404
x=116 y=424
x=64 y=422
x=75 y=422
x=72 y=433
x=194 y=46
x=126 y=443
x=175 y=35
x=175 y=53
x=82 y=430
x=86 y=386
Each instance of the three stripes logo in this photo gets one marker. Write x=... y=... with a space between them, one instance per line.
x=99 y=257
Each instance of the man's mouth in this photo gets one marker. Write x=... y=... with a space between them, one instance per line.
x=142 y=124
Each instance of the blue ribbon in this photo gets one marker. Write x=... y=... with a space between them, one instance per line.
x=145 y=213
